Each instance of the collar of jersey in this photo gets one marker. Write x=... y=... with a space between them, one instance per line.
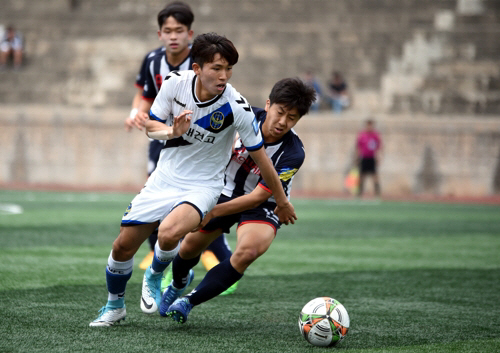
x=176 y=68
x=207 y=103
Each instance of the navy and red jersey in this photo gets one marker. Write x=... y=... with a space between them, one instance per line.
x=242 y=173
x=140 y=80
x=157 y=68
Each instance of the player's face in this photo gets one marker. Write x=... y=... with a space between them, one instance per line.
x=279 y=121
x=175 y=36
x=212 y=77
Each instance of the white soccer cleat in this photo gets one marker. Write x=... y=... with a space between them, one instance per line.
x=110 y=314
x=151 y=292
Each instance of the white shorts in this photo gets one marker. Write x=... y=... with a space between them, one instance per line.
x=6 y=46
x=158 y=197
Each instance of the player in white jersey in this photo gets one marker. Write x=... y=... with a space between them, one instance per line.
x=175 y=33
x=246 y=200
x=197 y=114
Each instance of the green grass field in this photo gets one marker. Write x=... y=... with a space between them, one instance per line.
x=414 y=277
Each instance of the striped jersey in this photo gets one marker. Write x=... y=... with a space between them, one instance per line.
x=242 y=174
x=157 y=68
x=140 y=80
x=200 y=155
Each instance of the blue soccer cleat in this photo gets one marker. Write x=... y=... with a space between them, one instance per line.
x=180 y=309
x=172 y=293
x=112 y=313
x=151 y=291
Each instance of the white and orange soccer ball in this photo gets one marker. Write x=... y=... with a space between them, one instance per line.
x=324 y=322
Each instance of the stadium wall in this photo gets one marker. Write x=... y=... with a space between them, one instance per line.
x=74 y=148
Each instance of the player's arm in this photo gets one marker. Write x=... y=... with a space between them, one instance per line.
x=236 y=205
x=129 y=121
x=142 y=113
x=159 y=131
x=284 y=209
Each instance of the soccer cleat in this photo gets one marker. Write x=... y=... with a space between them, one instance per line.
x=148 y=259
x=166 y=279
x=209 y=260
x=112 y=313
x=172 y=293
x=180 y=309
x=151 y=291
x=231 y=289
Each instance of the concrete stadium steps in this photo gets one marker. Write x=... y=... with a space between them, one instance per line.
x=89 y=55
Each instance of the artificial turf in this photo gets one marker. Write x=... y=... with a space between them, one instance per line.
x=414 y=277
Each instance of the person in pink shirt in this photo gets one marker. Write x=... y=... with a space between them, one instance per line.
x=369 y=146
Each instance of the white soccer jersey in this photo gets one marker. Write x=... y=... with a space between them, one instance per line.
x=199 y=156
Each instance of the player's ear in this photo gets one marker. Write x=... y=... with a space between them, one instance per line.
x=268 y=105
x=196 y=68
x=190 y=34
x=159 y=35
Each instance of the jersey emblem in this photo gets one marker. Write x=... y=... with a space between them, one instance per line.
x=287 y=174
x=216 y=120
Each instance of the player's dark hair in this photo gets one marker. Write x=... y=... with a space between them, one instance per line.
x=206 y=45
x=293 y=93
x=178 y=10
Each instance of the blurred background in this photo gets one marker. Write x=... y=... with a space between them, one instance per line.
x=426 y=71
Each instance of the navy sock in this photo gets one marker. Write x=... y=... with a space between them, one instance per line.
x=220 y=248
x=180 y=269
x=216 y=281
x=116 y=282
x=152 y=239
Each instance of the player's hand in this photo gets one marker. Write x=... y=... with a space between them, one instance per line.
x=204 y=222
x=129 y=124
x=182 y=122
x=140 y=120
x=286 y=213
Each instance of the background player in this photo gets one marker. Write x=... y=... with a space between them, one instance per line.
x=175 y=32
x=246 y=200
x=198 y=114
x=369 y=147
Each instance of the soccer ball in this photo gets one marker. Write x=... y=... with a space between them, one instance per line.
x=324 y=322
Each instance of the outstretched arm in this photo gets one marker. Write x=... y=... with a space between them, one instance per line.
x=284 y=209
x=236 y=205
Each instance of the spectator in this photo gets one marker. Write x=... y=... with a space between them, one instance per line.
x=11 y=44
x=310 y=80
x=339 y=95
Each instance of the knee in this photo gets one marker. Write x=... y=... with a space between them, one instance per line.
x=245 y=256
x=190 y=248
x=169 y=236
x=121 y=252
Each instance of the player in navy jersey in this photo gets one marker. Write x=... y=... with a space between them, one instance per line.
x=197 y=114
x=175 y=32
x=246 y=200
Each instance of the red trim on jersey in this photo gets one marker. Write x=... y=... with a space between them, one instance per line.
x=207 y=231
x=148 y=99
x=261 y=222
x=265 y=188
x=138 y=86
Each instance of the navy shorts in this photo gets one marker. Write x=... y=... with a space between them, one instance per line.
x=368 y=165
x=263 y=213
